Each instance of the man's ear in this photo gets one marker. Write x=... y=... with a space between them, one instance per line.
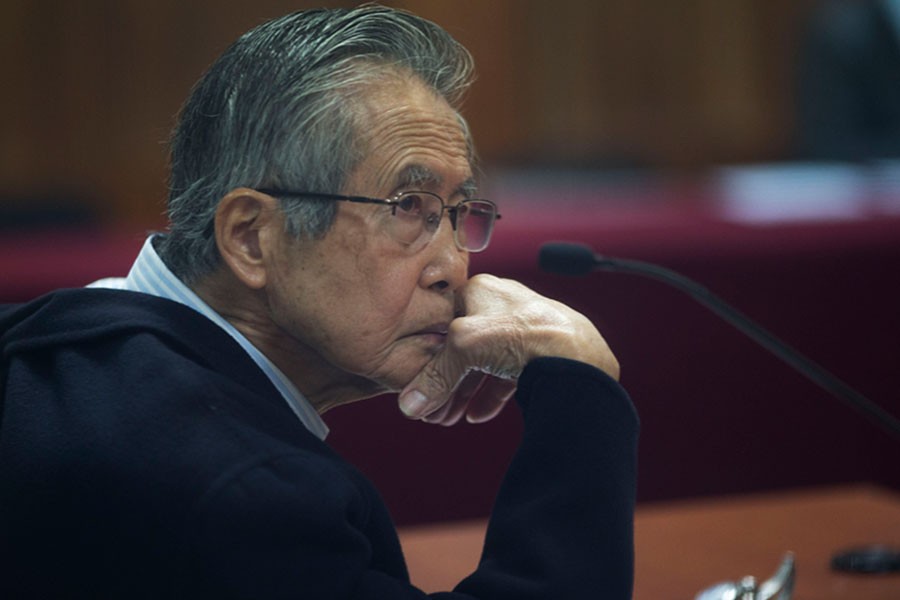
x=245 y=222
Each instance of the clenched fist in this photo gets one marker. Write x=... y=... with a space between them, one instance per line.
x=503 y=325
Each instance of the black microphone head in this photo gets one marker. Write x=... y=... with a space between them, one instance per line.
x=566 y=258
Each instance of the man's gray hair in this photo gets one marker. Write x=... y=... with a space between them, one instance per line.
x=276 y=110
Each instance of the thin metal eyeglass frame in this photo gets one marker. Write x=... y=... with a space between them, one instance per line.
x=392 y=202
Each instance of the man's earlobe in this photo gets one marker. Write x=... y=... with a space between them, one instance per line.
x=244 y=219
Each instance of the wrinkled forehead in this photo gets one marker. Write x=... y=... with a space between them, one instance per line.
x=410 y=136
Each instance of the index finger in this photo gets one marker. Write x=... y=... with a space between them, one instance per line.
x=432 y=386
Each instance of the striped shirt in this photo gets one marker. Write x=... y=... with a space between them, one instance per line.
x=150 y=275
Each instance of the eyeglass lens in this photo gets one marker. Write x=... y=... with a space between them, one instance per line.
x=418 y=216
x=474 y=223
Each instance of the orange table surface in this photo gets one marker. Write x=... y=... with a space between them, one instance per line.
x=686 y=546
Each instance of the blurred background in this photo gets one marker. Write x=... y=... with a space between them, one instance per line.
x=91 y=88
x=751 y=144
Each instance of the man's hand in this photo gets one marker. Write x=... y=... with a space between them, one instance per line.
x=503 y=326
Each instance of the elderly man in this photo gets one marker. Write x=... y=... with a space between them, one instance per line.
x=163 y=439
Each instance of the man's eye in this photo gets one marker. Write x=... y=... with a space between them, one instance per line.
x=410 y=205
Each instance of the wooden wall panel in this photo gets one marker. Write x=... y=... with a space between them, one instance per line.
x=91 y=87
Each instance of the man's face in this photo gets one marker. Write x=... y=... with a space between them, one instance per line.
x=359 y=299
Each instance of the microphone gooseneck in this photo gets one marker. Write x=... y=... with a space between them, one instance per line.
x=565 y=258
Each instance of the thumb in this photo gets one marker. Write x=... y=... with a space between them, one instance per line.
x=433 y=386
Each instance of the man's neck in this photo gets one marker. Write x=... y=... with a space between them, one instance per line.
x=324 y=385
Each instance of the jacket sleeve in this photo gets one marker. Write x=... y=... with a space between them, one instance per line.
x=561 y=526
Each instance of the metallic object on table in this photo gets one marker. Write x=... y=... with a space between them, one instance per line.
x=778 y=587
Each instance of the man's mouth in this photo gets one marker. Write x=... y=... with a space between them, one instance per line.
x=437 y=328
x=434 y=333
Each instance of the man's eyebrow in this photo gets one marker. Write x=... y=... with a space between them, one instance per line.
x=468 y=188
x=420 y=176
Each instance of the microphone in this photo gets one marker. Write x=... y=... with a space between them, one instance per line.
x=565 y=258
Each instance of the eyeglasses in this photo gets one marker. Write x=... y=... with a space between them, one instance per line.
x=417 y=217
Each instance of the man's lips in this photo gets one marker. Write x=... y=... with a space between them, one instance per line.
x=439 y=328
x=437 y=331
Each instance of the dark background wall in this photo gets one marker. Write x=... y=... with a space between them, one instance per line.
x=91 y=88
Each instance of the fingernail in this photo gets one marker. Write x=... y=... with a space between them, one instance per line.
x=413 y=404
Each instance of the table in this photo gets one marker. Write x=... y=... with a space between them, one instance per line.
x=685 y=546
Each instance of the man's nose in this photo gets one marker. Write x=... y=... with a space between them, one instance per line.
x=449 y=266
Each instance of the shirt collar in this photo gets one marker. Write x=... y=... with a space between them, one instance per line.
x=150 y=275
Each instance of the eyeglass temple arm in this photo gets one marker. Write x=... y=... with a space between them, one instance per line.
x=323 y=196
